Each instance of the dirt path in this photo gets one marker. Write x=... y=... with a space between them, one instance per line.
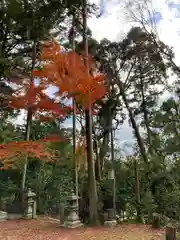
x=48 y=229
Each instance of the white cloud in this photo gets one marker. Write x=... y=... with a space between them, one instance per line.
x=114 y=25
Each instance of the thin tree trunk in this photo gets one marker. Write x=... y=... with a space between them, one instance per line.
x=134 y=125
x=114 y=180
x=29 y=119
x=137 y=190
x=145 y=112
x=93 y=213
x=103 y=149
x=74 y=120
x=175 y=119
x=97 y=162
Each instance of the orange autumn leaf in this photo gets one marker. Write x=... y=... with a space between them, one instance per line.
x=35 y=98
x=13 y=150
x=68 y=73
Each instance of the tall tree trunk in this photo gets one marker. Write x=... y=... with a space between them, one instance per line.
x=75 y=168
x=114 y=180
x=134 y=125
x=97 y=162
x=175 y=119
x=145 y=112
x=109 y=114
x=93 y=211
x=138 y=198
x=29 y=119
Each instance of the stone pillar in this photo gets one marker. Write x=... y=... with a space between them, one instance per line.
x=111 y=218
x=72 y=219
x=29 y=203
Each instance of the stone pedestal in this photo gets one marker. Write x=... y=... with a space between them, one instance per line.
x=72 y=219
x=29 y=203
x=3 y=216
x=110 y=221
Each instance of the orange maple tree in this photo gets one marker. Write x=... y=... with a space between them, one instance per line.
x=34 y=98
x=16 y=150
x=67 y=71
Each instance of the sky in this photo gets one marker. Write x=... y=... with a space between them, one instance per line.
x=114 y=24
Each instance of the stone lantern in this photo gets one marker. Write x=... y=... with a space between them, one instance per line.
x=72 y=219
x=111 y=174
x=29 y=205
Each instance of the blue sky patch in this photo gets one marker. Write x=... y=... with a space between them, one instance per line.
x=175 y=7
x=172 y=5
x=156 y=17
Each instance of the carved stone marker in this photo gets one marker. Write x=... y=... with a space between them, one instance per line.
x=156 y=220
x=170 y=232
x=72 y=219
x=29 y=205
x=111 y=218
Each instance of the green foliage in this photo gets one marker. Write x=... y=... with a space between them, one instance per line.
x=52 y=184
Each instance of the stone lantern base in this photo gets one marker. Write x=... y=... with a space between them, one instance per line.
x=111 y=219
x=72 y=220
x=110 y=223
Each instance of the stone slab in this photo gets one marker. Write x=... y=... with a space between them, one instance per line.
x=74 y=224
x=111 y=223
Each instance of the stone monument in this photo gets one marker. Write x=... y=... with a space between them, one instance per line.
x=72 y=219
x=29 y=203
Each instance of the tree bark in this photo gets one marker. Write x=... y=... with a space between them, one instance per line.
x=29 y=120
x=134 y=125
x=114 y=180
x=138 y=198
x=93 y=211
x=170 y=233
x=156 y=221
x=145 y=112
x=75 y=167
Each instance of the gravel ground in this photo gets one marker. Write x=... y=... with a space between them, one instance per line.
x=48 y=229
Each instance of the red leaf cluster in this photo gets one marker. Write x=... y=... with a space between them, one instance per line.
x=14 y=150
x=34 y=98
x=69 y=74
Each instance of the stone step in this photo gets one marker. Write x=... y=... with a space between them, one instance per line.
x=3 y=216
